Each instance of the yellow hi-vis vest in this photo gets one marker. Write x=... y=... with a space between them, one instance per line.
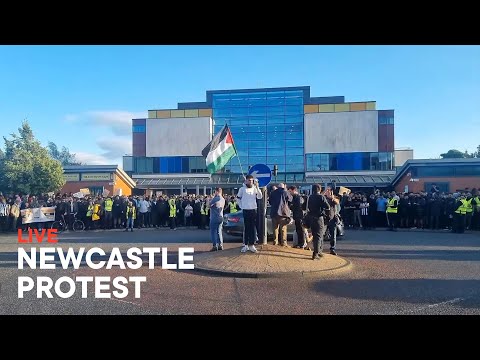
x=233 y=207
x=131 y=210
x=89 y=210
x=462 y=209
x=204 y=209
x=108 y=205
x=391 y=209
x=96 y=211
x=468 y=205
x=173 y=208
x=477 y=205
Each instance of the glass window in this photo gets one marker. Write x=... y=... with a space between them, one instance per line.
x=138 y=128
x=239 y=96
x=294 y=93
x=276 y=152
x=217 y=128
x=294 y=135
x=221 y=112
x=294 y=101
x=257 y=111
x=258 y=152
x=274 y=142
x=290 y=177
x=281 y=167
x=156 y=165
x=258 y=102
x=293 y=110
x=240 y=112
x=242 y=153
x=185 y=168
x=276 y=159
x=252 y=160
x=275 y=110
x=276 y=94
x=275 y=137
x=256 y=144
x=294 y=143
x=257 y=136
x=294 y=159
x=271 y=120
x=144 y=165
x=275 y=128
x=294 y=167
x=294 y=151
x=374 y=161
x=257 y=128
x=261 y=120
x=294 y=127
x=239 y=135
x=294 y=119
x=240 y=121
x=435 y=171
x=467 y=170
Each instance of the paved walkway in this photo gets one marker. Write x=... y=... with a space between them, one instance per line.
x=269 y=261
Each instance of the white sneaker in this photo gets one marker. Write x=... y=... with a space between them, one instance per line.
x=244 y=249
x=252 y=248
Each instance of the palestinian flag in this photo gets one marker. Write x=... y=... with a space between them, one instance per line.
x=219 y=151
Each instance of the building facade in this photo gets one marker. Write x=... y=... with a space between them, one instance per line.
x=449 y=175
x=310 y=139
x=97 y=179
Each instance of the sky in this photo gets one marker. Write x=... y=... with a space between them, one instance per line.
x=84 y=97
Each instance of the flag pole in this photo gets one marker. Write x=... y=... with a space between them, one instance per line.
x=236 y=152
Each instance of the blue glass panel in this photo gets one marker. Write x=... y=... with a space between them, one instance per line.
x=275 y=119
x=221 y=112
x=164 y=165
x=178 y=164
x=257 y=120
x=239 y=136
x=156 y=165
x=240 y=112
x=252 y=160
x=220 y=120
x=256 y=144
x=185 y=167
x=294 y=135
x=171 y=164
x=274 y=142
x=240 y=121
x=276 y=159
x=276 y=137
x=220 y=103
x=294 y=143
x=294 y=93
x=281 y=167
x=294 y=151
x=138 y=128
x=276 y=94
x=275 y=110
x=257 y=136
x=275 y=128
x=294 y=119
x=294 y=159
x=294 y=167
x=293 y=127
x=257 y=128
x=294 y=101
x=293 y=110
x=276 y=152
x=258 y=152
x=257 y=111
x=217 y=128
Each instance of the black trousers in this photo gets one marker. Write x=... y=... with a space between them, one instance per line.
x=318 y=231
x=332 y=229
x=250 y=223
x=299 y=230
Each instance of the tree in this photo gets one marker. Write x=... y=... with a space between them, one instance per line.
x=27 y=167
x=453 y=154
x=64 y=156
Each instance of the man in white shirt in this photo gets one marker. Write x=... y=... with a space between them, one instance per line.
x=248 y=195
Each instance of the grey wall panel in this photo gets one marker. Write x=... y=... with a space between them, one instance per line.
x=341 y=132
x=178 y=136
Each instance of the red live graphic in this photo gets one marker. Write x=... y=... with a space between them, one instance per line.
x=39 y=237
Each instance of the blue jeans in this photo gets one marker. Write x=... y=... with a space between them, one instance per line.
x=129 y=223
x=216 y=234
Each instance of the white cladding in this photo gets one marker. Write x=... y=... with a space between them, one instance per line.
x=178 y=136
x=341 y=132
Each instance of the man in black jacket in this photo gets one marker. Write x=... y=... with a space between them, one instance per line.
x=280 y=213
x=297 y=214
x=317 y=207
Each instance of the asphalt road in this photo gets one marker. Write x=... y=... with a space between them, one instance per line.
x=404 y=272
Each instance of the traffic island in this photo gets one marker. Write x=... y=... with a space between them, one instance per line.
x=269 y=261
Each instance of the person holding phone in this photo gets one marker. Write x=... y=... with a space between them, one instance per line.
x=248 y=195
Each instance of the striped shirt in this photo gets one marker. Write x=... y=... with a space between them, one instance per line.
x=364 y=208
